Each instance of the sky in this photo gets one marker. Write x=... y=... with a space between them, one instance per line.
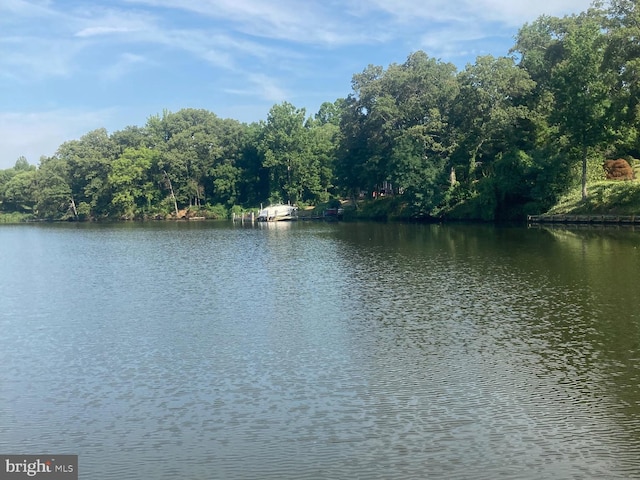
x=68 y=67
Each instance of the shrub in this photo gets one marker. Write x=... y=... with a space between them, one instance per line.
x=215 y=211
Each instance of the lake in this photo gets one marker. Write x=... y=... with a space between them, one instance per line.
x=208 y=350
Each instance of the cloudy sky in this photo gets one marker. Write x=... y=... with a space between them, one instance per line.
x=70 y=66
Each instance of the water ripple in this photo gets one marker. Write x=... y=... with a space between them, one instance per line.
x=377 y=353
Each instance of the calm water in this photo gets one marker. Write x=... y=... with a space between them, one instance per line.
x=322 y=351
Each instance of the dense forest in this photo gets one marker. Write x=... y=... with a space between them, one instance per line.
x=500 y=139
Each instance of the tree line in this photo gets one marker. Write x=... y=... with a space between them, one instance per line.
x=503 y=137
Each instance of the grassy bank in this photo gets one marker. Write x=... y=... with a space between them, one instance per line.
x=604 y=198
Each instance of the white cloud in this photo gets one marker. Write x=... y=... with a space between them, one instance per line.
x=268 y=88
x=213 y=49
x=447 y=29
x=516 y=13
x=26 y=9
x=131 y=38
x=39 y=42
x=507 y=12
x=452 y=30
x=311 y=22
x=101 y=30
x=36 y=58
x=95 y=21
x=127 y=62
x=411 y=12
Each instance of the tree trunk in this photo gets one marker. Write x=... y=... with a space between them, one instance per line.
x=584 y=174
x=73 y=207
x=175 y=203
x=473 y=164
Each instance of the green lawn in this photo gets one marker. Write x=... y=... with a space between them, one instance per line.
x=608 y=197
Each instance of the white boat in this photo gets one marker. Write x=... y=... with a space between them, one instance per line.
x=278 y=213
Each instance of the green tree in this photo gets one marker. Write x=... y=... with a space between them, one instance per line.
x=581 y=89
x=224 y=181
x=131 y=137
x=622 y=62
x=253 y=180
x=330 y=113
x=539 y=46
x=424 y=91
x=367 y=133
x=54 y=197
x=489 y=110
x=353 y=151
x=322 y=146
x=88 y=161
x=5 y=176
x=199 y=153
x=22 y=165
x=491 y=118
x=223 y=177
x=19 y=192
x=396 y=128
x=132 y=188
x=283 y=145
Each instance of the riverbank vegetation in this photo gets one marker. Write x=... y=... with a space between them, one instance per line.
x=605 y=198
x=503 y=138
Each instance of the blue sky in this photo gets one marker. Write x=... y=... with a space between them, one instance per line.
x=70 y=66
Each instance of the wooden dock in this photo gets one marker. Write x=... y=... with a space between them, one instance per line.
x=586 y=219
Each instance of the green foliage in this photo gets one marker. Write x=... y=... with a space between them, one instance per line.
x=215 y=212
x=388 y=208
x=396 y=128
x=225 y=182
x=582 y=90
x=84 y=168
x=133 y=193
x=53 y=196
x=237 y=210
x=14 y=217
x=622 y=56
x=505 y=137
x=490 y=112
x=22 y=165
x=282 y=145
x=19 y=191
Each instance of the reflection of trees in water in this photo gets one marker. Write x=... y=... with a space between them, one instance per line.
x=562 y=301
x=604 y=264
